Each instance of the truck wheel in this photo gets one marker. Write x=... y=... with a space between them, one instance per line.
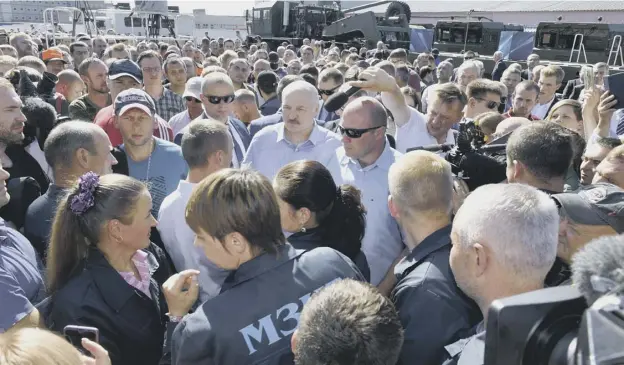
x=397 y=8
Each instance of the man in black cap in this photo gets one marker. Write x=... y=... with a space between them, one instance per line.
x=592 y=212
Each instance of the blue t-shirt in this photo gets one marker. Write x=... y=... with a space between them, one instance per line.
x=166 y=168
x=21 y=281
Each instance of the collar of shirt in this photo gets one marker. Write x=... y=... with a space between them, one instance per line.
x=259 y=265
x=315 y=138
x=108 y=279
x=432 y=243
x=186 y=188
x=383 y=161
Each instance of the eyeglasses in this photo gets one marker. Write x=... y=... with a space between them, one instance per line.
x=218 y=99
x=490 y=104
x=354 y=132
x=190 y=98
x=328 y=92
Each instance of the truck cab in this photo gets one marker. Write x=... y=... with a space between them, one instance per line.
x=480 y=37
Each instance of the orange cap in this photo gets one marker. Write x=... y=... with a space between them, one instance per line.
x=52 y=55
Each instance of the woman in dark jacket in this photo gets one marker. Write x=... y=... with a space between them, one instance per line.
x=319 y=213
x=237 y=221
x=103 y=271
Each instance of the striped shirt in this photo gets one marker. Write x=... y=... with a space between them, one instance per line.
x=140 y=262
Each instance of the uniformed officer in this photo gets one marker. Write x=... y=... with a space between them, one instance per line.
x=236 y=217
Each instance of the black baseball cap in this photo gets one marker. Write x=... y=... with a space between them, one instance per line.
x=601 y=204
x=125 y=67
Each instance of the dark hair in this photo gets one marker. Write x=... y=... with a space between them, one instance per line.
x=203 y=138
x=333 y=74
x=72 y=47
x=267 y=82
x=72 y=235
x=285 y=81
x=411 y=93
x=310 y=70
x=578 y=148
x=608 y=142
x=83 y=69
x=237 y=200
x=346 y=323
x=543 y=147
x=425 y=71
x=339 y=210
x=479 y=88
x=65 y=139
x=149 y=54
x=308 y=78
x=528 y=85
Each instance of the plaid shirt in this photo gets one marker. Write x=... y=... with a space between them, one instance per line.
x=169 y=104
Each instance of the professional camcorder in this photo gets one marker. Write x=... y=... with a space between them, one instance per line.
x=473 y=160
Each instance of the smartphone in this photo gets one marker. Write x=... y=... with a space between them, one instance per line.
x=615 y=85
x=75 y=334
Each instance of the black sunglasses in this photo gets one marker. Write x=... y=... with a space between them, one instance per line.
x=218 y=99
x=492 y=105
x=328 y=92
x=354 y=132
x=190 y=98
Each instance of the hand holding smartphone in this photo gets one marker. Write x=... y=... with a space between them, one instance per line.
x=615 y=85
x=75 y=334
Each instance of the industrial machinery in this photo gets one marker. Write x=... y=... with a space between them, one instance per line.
x=480 y=37
x=292 y=21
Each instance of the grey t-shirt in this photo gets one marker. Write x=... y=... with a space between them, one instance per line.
x=21 y=281
x=162 y=172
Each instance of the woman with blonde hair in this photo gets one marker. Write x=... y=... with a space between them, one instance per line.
x=34 y=346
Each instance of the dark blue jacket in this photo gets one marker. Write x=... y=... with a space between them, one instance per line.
x=256 y=125
x=131 y=324
x=434 y=312
x=251 y=321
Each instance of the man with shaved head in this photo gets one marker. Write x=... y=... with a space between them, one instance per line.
x=297 y=137
x=217 y=97
x=421 y=200
x=244 y=107
x=363 y=160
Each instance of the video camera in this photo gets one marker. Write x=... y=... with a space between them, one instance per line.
x=471 y=159
x=553 y=326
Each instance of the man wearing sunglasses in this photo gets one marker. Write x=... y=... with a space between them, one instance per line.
x=363 y=160
x=217 y=96
x=330 y=81
x=483 y=96
x=194 y=108
x=298 y=137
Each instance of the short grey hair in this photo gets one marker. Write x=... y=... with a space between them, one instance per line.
x=66 y=138
x=421 y=181
x=517 y=222
x=203 y=138
x=469 y=65
x=512 y=71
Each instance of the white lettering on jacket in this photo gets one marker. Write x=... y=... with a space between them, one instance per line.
x=265 y=333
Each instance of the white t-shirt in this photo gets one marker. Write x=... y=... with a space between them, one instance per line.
x=540 y=110
x=414 y=133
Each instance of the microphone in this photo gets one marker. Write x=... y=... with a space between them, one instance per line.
x=337 y=100
x=598 y=268
x=433 y=148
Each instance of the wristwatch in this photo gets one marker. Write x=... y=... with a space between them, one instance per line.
x=174 y=319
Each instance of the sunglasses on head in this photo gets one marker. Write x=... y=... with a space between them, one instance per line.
x=354 y=132
x=190 y=98
x=218 y=99
x=492 y=105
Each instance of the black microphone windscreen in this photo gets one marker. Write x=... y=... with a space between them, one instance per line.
x=336 y=101
x=602 y=258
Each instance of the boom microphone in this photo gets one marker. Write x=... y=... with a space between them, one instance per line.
x=337 y=100
x=598 y=268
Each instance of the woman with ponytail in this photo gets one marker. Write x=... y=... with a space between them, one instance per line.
x=104 y=272
x=320 y=214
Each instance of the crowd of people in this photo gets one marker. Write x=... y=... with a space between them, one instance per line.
x=201 y=205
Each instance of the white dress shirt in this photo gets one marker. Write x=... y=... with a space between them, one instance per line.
x=540 y=110
x=382 y=242
x=414 y=133
x=178 y=239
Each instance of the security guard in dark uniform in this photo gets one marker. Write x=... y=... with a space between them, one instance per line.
x=433 y=310
x=253 y=318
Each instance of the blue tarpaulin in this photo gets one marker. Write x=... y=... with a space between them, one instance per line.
x=421 y=40
x=515 y=45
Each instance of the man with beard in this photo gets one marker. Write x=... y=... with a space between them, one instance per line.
x=524 y=99
x=93 y=72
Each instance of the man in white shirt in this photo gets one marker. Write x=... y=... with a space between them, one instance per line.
x=549 y=82
x=207 y=148
x=446 y=105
